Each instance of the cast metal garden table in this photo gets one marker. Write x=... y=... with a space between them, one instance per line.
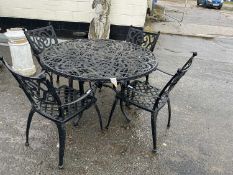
x=98 y=60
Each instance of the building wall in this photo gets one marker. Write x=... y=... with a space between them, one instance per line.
x=123 y=12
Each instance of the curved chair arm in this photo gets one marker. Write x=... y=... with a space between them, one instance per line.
x=79 y=99
x=164 y=72
x=86 y=94
x=40 y=75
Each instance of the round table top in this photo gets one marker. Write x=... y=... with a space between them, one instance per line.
x=98 y=60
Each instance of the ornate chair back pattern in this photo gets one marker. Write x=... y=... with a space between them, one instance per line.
x=174 y=80
x=150 y=40
x=145 y=39
x=38 y=89
x=41 y=38
x=135 y=36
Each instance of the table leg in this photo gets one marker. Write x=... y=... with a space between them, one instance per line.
x=127 y=104
x=70 y=82
x=81 y=89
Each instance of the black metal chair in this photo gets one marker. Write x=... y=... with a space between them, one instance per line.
x=144 y=39
x=149 y=98
x=59 y=105
x=135 y=36
x=40 y=39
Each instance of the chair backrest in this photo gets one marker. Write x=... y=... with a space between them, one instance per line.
x=135 y=36
x=175 y=78
x=38 y=89
x=144 y=39
x=41 y=38
x=150 y=40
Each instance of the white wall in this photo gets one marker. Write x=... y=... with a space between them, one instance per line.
x=123 y=12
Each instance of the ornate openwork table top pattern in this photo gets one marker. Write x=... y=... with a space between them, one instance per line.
x=98 y=60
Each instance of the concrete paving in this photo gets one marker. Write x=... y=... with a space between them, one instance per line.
x=197 y=21
x=199 y=141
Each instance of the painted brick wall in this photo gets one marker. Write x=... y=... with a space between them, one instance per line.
x=123 y=12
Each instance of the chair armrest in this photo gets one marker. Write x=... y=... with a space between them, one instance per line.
x=164 y=72
x=40 y=75
x=87 y=93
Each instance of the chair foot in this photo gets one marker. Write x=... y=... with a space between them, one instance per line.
x=26 y=144
x=61 y=167
x=75 y=124
x=168 y=126
x=154 y=150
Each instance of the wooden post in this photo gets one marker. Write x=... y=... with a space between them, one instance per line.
x=100 y=24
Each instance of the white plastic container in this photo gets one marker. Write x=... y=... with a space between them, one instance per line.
x=21 y=55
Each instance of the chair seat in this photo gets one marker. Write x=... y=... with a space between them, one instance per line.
x=67 y=95
x=143 y=95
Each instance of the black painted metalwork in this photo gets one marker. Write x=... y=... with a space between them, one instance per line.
x=98 y=60
x=145 y=39
x=149 y=98
x=41 y=39
x=59 y=105
x=150 y=40
x=135 y=36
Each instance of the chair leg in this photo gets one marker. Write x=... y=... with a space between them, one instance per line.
x=28 y=125
x=147 y=79
x=51 y=78
x=75 y=123
x=153 y=128
x=100 y=89
x=81 y=89
x=71 y=83
x=58 y=78
x=62 y=139
x=169 y=113
x=112 y=110
x=126 y=103
x=123 y=111
x=99 y=115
